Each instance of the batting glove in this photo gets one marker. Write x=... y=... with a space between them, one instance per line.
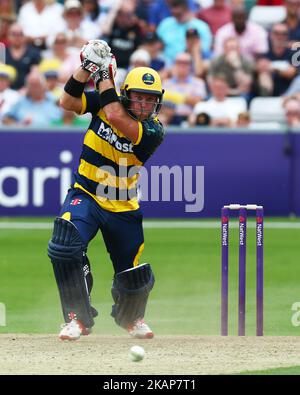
x=107 y=71
x=94 y=55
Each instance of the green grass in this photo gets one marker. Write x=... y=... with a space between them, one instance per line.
x=292 y=370
x=186 y=296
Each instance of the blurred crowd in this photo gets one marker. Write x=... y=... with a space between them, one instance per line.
x=216 y=59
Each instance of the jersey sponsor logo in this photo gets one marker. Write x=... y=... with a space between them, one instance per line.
x=75 y=202
x=148 y=79
x=107 y=134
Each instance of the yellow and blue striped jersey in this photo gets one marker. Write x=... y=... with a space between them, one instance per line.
x=109 y=162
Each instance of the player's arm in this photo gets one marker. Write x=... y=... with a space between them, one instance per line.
x=71 y=98
x=115 y=112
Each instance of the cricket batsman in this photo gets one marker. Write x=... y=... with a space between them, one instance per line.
x=124 y=132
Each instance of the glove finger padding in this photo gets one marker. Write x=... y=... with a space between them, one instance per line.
x=107 y=71
x=112 y=68
x=100 y=47
x=94 y=55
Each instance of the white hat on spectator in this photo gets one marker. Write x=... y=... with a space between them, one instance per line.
x=140 y=55
x=72 y=4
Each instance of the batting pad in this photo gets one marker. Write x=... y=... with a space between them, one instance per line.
x=67 y=255
x=130 y=291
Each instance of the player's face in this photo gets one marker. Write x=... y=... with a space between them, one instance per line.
x=142 y=104
x=4 y=83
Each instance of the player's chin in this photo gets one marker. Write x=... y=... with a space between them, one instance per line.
x=144 y=116
x=141 y=116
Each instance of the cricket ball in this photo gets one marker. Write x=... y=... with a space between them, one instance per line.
x=136 y=353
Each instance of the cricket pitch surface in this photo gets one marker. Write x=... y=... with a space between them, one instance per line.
x=179 y=355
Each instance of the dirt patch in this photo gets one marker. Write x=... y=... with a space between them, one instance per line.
x=100 y=354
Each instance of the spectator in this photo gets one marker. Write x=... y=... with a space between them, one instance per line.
x=107 y=5
x=167 y=114
x=237 y=69
x=36 y=108
x=293 y=20
x=5 y=22
x=160 y=9
x=39 y=20
x=77 y=30
x=208 y=3
x=125 y=36
x=68 y=57
x=139 y=58
x=50 y=70
x=142 y=13
x=219 y=110
x=110 y=16
x=194 y=48
x=274 y=69
x=69 y=118
x=292 y=112
x=18 y=4
x=92 y=12
x=252 y=38
x=216 y=15
x=243 y=120
x=8 y=97
x=270 y=2
x=154 y=46
x=184 y=87
x=7 y=8
x=294 y=88
x=172 y=31
x=20 y=55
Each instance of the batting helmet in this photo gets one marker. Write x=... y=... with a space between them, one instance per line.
x=143 y=80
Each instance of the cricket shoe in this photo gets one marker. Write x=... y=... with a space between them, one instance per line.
x=73 y=330
x=140 y=330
